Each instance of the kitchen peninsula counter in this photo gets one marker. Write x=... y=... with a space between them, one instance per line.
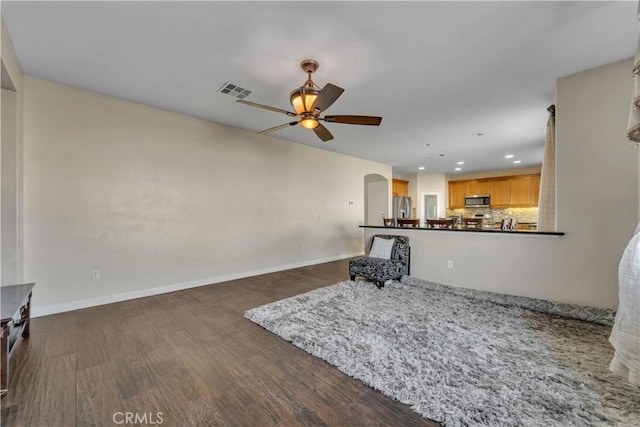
x=519 y=262
x=470 y=230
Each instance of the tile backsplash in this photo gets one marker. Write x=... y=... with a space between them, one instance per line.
x=523 y=215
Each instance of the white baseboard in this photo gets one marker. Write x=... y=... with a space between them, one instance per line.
x=109 y=299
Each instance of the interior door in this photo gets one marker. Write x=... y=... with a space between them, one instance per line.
x=430 y=206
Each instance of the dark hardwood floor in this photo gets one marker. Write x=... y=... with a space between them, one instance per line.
x=188 y=358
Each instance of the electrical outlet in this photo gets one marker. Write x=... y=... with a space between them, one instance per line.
x=95 y=275
x=450 y=263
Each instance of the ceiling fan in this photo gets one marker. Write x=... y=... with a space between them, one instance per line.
x=309 y=102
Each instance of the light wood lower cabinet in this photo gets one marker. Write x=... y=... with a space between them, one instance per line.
x=507 y=191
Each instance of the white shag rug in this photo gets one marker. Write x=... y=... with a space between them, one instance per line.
x=461 y=360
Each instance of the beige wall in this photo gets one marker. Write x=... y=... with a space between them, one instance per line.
x=597 y=171
x=11 y=258
x=597 y=208
x=9 y=190
x=157 y=201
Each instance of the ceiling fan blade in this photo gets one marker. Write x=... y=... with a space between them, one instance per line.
x=354 y=120
x=266 y=107
x=323 y=133
x=275 y=128
x=326 y=97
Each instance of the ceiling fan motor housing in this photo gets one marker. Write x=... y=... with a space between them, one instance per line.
x=309 y=65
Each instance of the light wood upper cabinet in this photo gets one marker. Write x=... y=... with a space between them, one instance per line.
x=470 y=187
x=507 y=191
x=521 y=191
x=456 y=194
x=484 y=187
x=525 y=190
x=400 y=187
x=500 y=192
x=477 y=187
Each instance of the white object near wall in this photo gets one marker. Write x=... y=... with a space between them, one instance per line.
x=625 y=336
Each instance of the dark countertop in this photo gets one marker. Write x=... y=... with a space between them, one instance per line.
x=473 y=230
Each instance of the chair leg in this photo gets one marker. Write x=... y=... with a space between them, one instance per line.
x=352 y=276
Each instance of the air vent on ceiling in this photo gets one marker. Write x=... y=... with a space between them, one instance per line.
x=234 y=90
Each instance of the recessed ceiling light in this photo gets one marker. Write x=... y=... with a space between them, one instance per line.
x=441 y=155
x=421 y=168
x=517 y=161
x=477 y=134
x=426 y=145
x=458 y=169
x=508 y=156
x=460 y=163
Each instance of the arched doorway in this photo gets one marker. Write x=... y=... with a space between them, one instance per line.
x=376 y=199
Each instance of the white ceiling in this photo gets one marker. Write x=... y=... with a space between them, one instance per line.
x=436 y=71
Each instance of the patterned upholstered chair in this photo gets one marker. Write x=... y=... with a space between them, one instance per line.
x=379 y=270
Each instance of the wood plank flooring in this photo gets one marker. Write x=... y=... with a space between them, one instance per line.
x=192 y=357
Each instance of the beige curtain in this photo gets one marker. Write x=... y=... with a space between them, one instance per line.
x=547 y=199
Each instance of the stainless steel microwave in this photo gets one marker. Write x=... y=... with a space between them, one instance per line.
x=482 y=201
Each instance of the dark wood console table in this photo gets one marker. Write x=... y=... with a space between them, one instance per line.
x=16 y=317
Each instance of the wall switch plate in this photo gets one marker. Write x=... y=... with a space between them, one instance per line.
x=95 y=274
x=450 y=263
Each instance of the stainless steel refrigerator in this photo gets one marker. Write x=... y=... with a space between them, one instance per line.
x=401 y=207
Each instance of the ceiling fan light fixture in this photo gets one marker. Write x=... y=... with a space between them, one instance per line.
x=310 y=102
x=309 y=123
x=302 y=99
